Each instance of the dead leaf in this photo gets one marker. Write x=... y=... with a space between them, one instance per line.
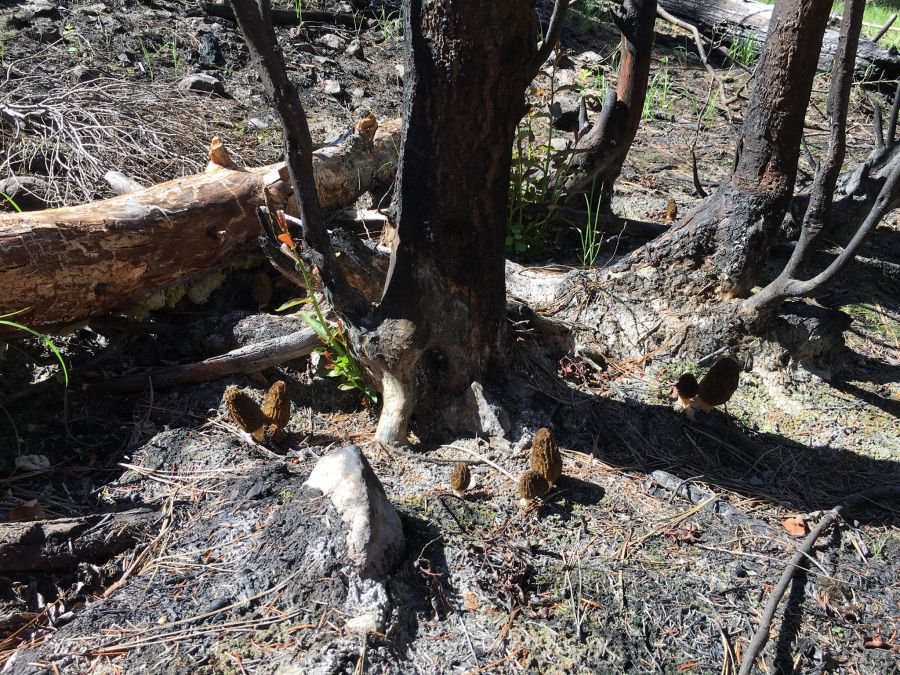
x=877 y=642
x=795 y=526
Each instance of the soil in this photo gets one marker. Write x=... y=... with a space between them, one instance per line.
x=245 y=572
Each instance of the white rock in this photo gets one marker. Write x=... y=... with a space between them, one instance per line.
x=375 y=540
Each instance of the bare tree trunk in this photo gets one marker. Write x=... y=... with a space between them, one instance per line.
x=722 y=244
x=602 y=151
x=819 y=210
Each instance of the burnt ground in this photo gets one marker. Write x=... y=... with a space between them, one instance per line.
x=612 y=573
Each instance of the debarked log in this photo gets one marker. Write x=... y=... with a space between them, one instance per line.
x=77 y=262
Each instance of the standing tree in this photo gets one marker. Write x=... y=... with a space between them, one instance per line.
x=687 y=288
x=440 y=322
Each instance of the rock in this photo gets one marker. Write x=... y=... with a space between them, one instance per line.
x=401 y=71
x=564 y=110
x=210 y=54
x=473 y=414
x=82 y=73
x=258 y=123
x=375 y=540
x=202 y=83
x=589 y=58
x=332 y=41
x=355 y=48
x=28 y=192
x=35 y=10
x=333 y=88
x=357 y=92
x=324 y=61
x=367 y=604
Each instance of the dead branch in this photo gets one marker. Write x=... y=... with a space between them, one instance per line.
x=761 y=636
x=698 y=40
x=554 y=28
x=249 y=359
x=255 y=21
x=289 y=17
x=885 y=28
x=63 y=543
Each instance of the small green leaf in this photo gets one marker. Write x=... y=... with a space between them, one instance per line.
x=293 y=303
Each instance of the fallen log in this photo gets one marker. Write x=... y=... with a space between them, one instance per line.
x=732 y=20
x=63 y=543
x=77 y=262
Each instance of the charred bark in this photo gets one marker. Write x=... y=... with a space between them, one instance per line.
x=440 y=323
x=600 y=153
x=819 y=210
x=722 y=245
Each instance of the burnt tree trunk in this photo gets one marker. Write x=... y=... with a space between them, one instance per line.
x=440 y=324
x=722 y=245
x=601 y=152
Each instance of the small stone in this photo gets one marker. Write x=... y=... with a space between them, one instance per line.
x=27 y=192
x=375 y=542
x=202 y=83
x=358 y=92
x=401 y=72
x=332 y=41
x=589 y=58
x=355 y=48
x=333 y=87
x=210 y=54
x=324 y=61
x=258 y=123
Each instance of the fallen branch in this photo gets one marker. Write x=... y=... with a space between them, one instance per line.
x=698 y=41
x=250 y=359
x=762 y=632
x=683 y=488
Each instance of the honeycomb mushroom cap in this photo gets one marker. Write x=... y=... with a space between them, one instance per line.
x=460 y=478
x=245 y=412
x=531 y=485
x=545 y=457
x=277 y=406
x=720 y=382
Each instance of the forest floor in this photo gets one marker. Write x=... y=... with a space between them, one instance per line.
x=613 y=572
